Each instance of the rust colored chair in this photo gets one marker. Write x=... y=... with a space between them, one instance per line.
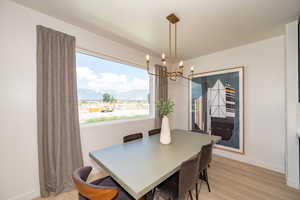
x=102 y=189
x=154 y=132
x=132 y=137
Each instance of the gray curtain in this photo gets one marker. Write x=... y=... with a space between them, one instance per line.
x=59 y=144
x=161 y=91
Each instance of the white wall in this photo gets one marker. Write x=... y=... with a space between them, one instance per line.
x=18 y=135
x=264 y=109
x=292 y=116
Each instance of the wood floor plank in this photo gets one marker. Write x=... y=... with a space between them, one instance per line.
x=232 y=180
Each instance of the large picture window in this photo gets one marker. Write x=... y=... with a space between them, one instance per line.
x=109 y=90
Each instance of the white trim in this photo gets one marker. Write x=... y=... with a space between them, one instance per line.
x=298 y=131
x=131 y=64
x=108 y=57
x=26 y=196
x=119 y=121
x=240 y=158
x=293 y=183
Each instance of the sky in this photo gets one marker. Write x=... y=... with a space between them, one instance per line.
x=98 y=74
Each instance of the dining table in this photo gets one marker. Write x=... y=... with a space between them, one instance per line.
x=141 y=165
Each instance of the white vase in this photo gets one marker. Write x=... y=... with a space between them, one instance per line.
x=165 y=133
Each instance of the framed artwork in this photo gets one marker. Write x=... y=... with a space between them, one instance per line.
x=216 y=106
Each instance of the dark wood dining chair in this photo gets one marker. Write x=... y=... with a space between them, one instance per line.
x=102 y=189
x=206 y=157
x=179 y=185
x=132 y=137
x=154 y=131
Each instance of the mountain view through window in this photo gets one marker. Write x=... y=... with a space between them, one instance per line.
x=109 y=90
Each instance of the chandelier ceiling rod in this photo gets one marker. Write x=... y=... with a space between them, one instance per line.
x=170 y=40
x=173 y=19
x=175 y=41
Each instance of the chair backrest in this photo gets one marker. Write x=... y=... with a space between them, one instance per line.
x=132 y=137
x=188 y=176
x=154 y=131
x=91 y=191
x=206 y=156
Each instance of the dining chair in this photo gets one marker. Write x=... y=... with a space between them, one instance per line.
x=177 y=187
x=132 y=137
x=101 y=189
x=154 y=131
x=206 y=157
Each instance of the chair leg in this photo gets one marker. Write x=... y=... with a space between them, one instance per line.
x=206 y=179
x=191 y=196
x=201 y=179
x=197 y=194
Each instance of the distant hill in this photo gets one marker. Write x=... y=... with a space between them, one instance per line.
x=132 y=95
x=86 y=94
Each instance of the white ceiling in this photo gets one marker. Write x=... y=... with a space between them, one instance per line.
x=206 y=26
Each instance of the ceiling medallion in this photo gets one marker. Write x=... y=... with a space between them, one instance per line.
x=174 y=75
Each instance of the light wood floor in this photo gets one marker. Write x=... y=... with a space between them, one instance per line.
x=232 y=180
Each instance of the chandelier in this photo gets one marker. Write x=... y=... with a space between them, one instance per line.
x=174 y=75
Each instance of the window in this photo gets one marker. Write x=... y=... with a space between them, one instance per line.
x=109 y=90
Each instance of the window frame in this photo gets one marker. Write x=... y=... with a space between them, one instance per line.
x=151 y=115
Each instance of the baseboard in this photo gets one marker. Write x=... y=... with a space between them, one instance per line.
x=265 y=165
x=36 y=194
x=96 y=169
x=244 y=159
x=293 y=183
x=26 y=196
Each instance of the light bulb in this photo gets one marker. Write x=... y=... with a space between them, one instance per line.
x=164 y=63
x=163 y=56
x=181 y=63
x=192 y=68
x=147 y=57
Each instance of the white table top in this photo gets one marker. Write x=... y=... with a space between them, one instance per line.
x=141 y=165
